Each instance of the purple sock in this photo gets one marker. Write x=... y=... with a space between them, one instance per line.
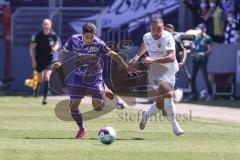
x=77 y=116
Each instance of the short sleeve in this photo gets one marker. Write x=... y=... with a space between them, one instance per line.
x=34 y=38
x=170 y=43
x=104 y=48
x=145 y=39
x=68 y=45
x=55 y=38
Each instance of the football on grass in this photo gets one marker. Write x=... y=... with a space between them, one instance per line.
x=107 y=135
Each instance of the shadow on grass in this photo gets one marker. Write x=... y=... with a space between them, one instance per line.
x=91 y=138
x=60 y=138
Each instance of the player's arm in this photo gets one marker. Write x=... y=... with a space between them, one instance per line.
x=120 y=61
x=140 y=52
x=62 y=54
x=55 y=46
x=183 y=55
x=168 y=58
x=32 y=49
x=209 y=46
x=61 y=57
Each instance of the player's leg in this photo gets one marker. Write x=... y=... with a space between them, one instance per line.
x=97 y=104
x=46 y=77
x=153 y=109
x=39 y=70
x=77 y=116
x=108 y=92
x=163 y=88
x=207 y=81
x=165 y=101
x=195 y=70
x=120 y=104
x=98 y=93
x=170 y=108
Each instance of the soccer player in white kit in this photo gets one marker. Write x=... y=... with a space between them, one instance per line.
x=160 y=46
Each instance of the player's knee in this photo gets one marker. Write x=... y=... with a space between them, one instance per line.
x=98 y=105
x=168 y=102
x=168 y=95
x=160 y=102
x=74 y=105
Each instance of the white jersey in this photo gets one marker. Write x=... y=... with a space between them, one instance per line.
x=157 y=49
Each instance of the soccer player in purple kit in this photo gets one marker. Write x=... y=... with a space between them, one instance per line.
x=88 y=50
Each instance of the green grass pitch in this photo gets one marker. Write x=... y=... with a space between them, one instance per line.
x=29 y=130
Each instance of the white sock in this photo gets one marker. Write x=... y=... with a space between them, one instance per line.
x=152 y=110
x=169 y=107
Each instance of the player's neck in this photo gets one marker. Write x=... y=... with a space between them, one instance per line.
x=46 y=32
x=157 y=37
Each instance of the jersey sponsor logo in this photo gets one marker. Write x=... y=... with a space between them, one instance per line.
x=159 y=45
x=93 y=48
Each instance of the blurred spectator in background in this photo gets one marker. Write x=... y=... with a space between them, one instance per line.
x=199 y=10
x=201 y=48
x=214 y=21
x=228 y=6
x=232 y=30
x=237 y=10
x=181 y=54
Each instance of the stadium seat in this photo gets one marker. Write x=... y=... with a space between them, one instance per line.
x=223 y=84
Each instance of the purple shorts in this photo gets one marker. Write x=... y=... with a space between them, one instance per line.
x=81 y=87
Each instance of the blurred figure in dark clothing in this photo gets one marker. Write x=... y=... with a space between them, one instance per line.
x=201 y=48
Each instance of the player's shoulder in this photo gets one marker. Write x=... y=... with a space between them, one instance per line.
x=36 y=36
x=207 y=37
x=76 y=37
x=147 y=36
x=39 y=33
x=53 y=33
x=99 y=41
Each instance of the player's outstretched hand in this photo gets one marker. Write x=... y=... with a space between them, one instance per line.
x=57 y=64
x=132 y=62
x=147 y=60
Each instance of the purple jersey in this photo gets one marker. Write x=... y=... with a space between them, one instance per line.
x=88 y=66
x=88 y=58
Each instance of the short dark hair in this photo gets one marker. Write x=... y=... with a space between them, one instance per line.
x=89 y=27
x=156 y=19
x=170 y=26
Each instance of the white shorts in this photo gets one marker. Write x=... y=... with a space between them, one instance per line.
x=156 y=81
